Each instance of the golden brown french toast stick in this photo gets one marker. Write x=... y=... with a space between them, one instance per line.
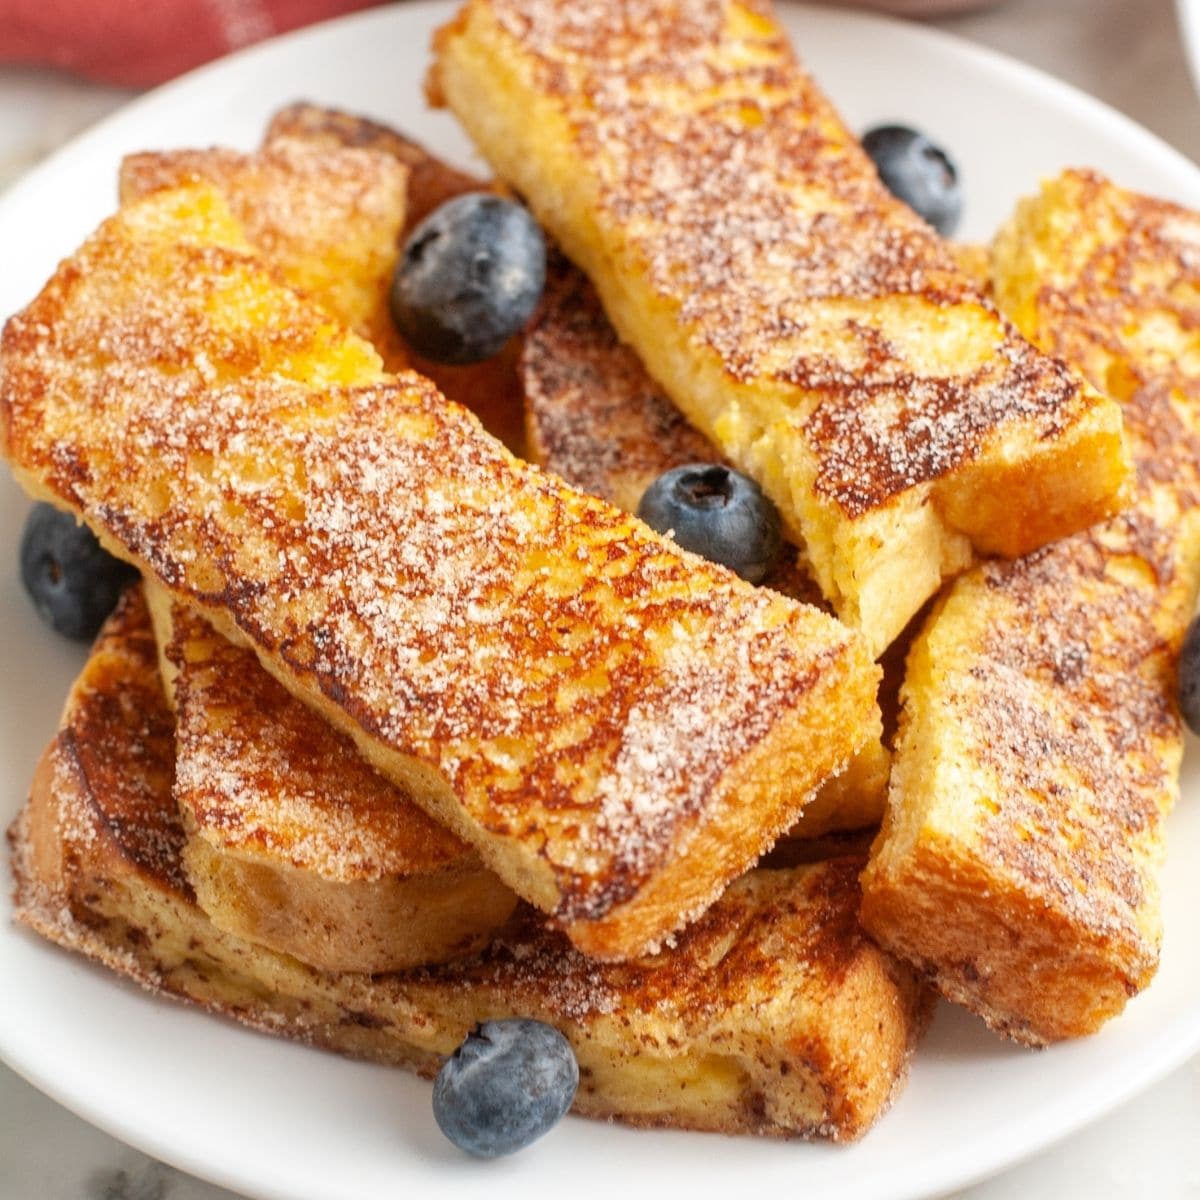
x=330 y=218
x=773 y=1014
x=801 y=317
x=431 y=180
x=618 y=727
x=328 y=199
x=293 y=840
x=1039 y=743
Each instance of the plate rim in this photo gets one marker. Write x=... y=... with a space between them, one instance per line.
x=1187 y=14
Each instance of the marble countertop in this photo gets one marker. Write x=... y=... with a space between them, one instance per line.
x=1126 y=52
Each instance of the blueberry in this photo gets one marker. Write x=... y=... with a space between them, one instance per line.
x=469 y=277
x=918 y=172
x=717 y=513
x=71 y=578
x=1189 y=677
x=506 y=1085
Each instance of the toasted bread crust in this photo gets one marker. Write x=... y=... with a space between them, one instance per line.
x=394 y=563
x=1040 y=743
x=806 y=321
x=431 y=181
x=772 y=1015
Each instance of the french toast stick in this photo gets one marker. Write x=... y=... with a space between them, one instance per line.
x=293 y=841
x=490 y=389
x=1039 y=745
x=772 y=1015
x=620 y=728
x=328 y=198
x=431 y=180
x=330 y=218
x=594 y=417
x=806 y=321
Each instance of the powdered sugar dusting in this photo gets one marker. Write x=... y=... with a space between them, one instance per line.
x=259 y=772
x=1057 y=671
x=462 y=608
x=726 y=181
x=328 y=217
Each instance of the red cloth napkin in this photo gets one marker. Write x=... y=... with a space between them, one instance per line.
x=141 y=42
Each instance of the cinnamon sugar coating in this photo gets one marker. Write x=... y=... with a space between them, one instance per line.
x=1040 y=742
x=328 y=218
x=259 y=773
x=490 y=389
x=772 y=1015
x=806 y=321
x=618 y=727
x=597 y=419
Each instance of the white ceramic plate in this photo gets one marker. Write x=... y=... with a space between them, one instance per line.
x=278 y=1121
x=1188 y=12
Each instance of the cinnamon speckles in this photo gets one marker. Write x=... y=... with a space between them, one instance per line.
x=583 y=689
x=725 y=175
x=872 y=448
x=1048 y=682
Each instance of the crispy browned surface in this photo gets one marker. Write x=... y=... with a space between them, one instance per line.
x=490 y=389
x=112 y=763
x=329 y=198
x=798 y=314
x=328 y=218
x=594 y=417
x=267 y=774
x=772 y=1015
x=293 y=840
x=296 y=842
x=592 y=414
x=620 y=729
x=431 y=181
x=1040 y=744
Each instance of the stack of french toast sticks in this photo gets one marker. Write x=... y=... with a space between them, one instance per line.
x=401 y=732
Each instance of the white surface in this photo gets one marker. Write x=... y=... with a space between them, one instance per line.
x=289 y=1122
x=41 y=109
x=1189 y=32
